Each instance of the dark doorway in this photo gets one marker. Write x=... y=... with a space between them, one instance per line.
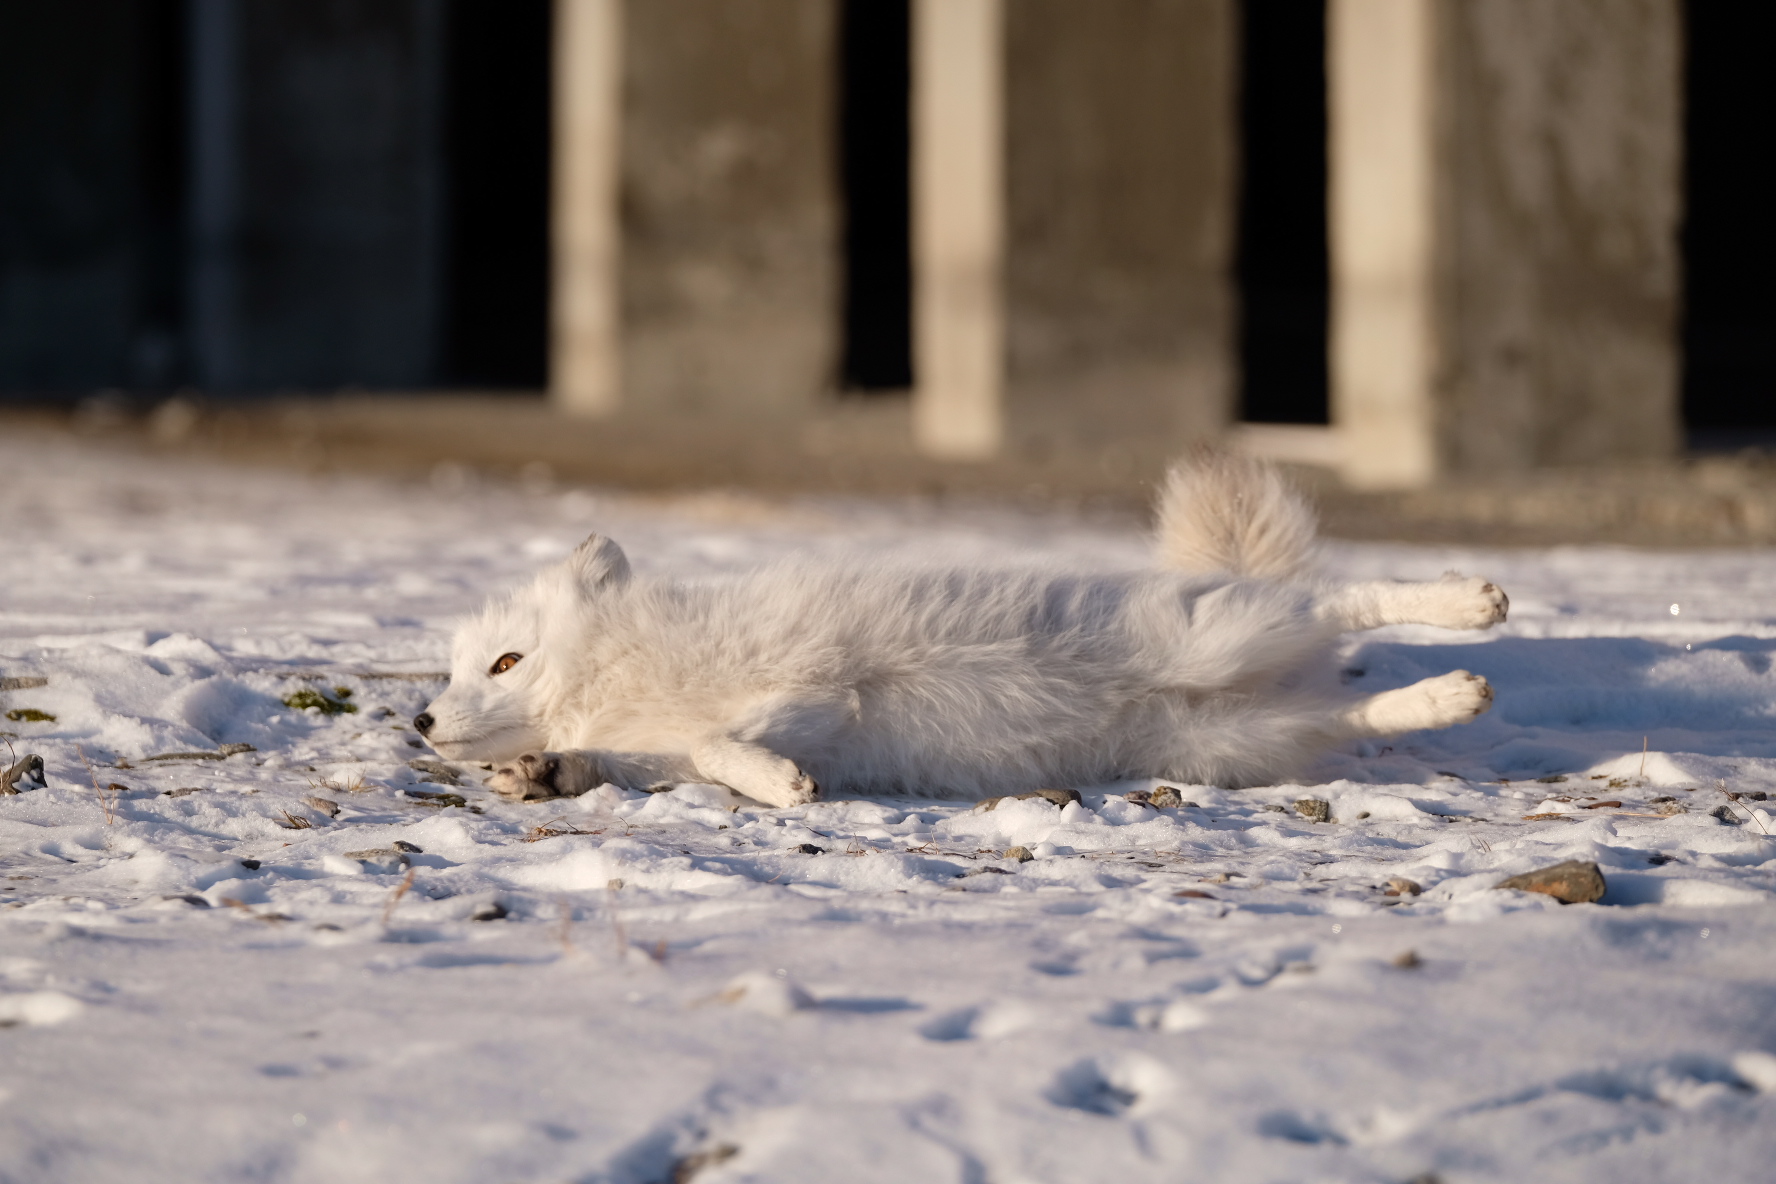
x=497 y=127
x=91 y=184
x=1281 y=264
x=874 y=146
x=1729 y=236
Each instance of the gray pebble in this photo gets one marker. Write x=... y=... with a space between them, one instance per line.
x=29 y=770
x=1314 y=809
x=1059 y=797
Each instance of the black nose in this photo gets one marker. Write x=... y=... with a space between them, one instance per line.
x=424 y=721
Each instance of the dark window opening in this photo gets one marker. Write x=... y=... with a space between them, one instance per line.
x=1281 y=265
x=157 y=359
x=497 y=128
x=875 y=178
x=1729 y=238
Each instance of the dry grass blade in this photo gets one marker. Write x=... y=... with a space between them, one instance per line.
x=548 y=830
x=389 y=909
x=268 y=918
x=565 y=931
x=1733 y=803
x=295 y=821
x=107 y=794
x=616 y=923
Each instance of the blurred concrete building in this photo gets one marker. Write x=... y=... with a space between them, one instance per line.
x=1408 y=238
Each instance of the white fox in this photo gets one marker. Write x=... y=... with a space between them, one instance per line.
x=795 y=682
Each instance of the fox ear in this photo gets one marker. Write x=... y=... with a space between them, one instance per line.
x=599 y=563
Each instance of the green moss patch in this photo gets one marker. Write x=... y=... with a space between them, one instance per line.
x=308 y=697
x=30 y=715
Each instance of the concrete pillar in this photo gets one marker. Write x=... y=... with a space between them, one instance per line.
x=584 y=331
x=1382 y=139
x=1120 y=183
x=958 y=216
x=729 y=207
x=1506 y=191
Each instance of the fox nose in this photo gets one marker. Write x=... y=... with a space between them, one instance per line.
x=423 y=722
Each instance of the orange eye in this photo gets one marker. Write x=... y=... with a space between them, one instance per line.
x=505 y=663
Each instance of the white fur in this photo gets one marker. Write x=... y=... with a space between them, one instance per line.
x=797 y=681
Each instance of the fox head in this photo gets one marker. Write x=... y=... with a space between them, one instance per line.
x=518 y=656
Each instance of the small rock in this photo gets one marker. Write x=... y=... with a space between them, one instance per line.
x=235 y=749
x=1408 y=960
x=685 y=1170
x=1556 y=779
x=1060 y=797
x=190 y=899
x=1021 y=854
x=436 y=772
x=28 y=769
x=1166 y=797
x=1670 y=808
x=1314 y=809
x=1273 y=808
x=1401 y=886
x=251 y=865
x=810 y=849
x=1725 y=814
x=183 y=792
x=1139 y=797
x=1574 y=882
x=491 y=910
x=1193 y=894
x=411 y=849
x=982 y=871
x=381 y=861
x=422 y=797
x=1757 y=1069
x=327 y=806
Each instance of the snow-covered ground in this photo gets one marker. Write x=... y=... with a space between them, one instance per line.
x=200 y=982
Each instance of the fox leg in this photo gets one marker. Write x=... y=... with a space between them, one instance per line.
x=1454 y=602
x=755 y=771
x=568 y=774
x=1454 y=698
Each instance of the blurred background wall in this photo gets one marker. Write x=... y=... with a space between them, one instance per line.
x=1404 y=238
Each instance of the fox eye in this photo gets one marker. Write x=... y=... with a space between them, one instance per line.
x=505 y=663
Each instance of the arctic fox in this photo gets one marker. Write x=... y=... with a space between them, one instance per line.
x=796 y=682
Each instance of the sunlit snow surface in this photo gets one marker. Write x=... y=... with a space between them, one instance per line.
x=681 y=992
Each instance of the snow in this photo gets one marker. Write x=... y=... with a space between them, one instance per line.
x=204 y=976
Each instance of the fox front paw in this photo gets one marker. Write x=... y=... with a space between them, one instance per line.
x=533 y=775
x=798 y=789
x=1457 y=697
x=1473 y=603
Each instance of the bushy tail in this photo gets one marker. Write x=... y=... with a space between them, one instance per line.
x=1226 y=513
